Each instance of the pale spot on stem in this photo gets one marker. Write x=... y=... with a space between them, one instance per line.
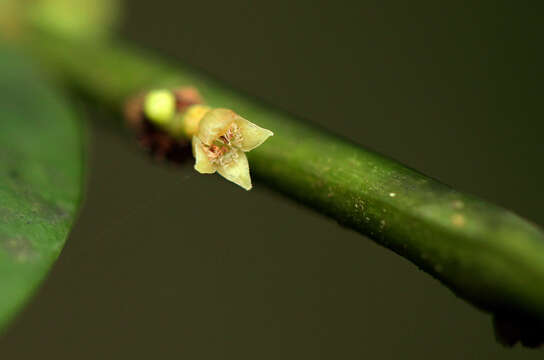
x=458 y=220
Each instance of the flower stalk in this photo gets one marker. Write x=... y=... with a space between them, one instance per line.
x=485 y=254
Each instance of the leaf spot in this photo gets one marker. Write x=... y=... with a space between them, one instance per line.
x=19 y=248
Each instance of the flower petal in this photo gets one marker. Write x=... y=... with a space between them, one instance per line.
x=252 y=135
x=237 y=170
x=214 y=124
x=202 y=163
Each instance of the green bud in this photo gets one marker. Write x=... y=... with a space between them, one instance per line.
x=160 y=107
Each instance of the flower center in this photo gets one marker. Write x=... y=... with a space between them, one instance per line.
x=220 y=154
x=231 y=137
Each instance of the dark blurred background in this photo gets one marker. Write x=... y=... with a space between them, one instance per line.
x=452 y=89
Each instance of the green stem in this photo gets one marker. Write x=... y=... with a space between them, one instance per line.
x=485 y=254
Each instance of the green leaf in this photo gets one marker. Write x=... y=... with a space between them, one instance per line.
x=41 y=178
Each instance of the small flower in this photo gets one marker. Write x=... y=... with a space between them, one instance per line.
x=220 y=137
x=221 y=142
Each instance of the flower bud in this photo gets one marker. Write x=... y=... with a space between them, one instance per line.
x=160 y=107
x=192 y=117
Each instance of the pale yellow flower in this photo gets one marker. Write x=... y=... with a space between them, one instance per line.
x=221 y=142
x=220 y=137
